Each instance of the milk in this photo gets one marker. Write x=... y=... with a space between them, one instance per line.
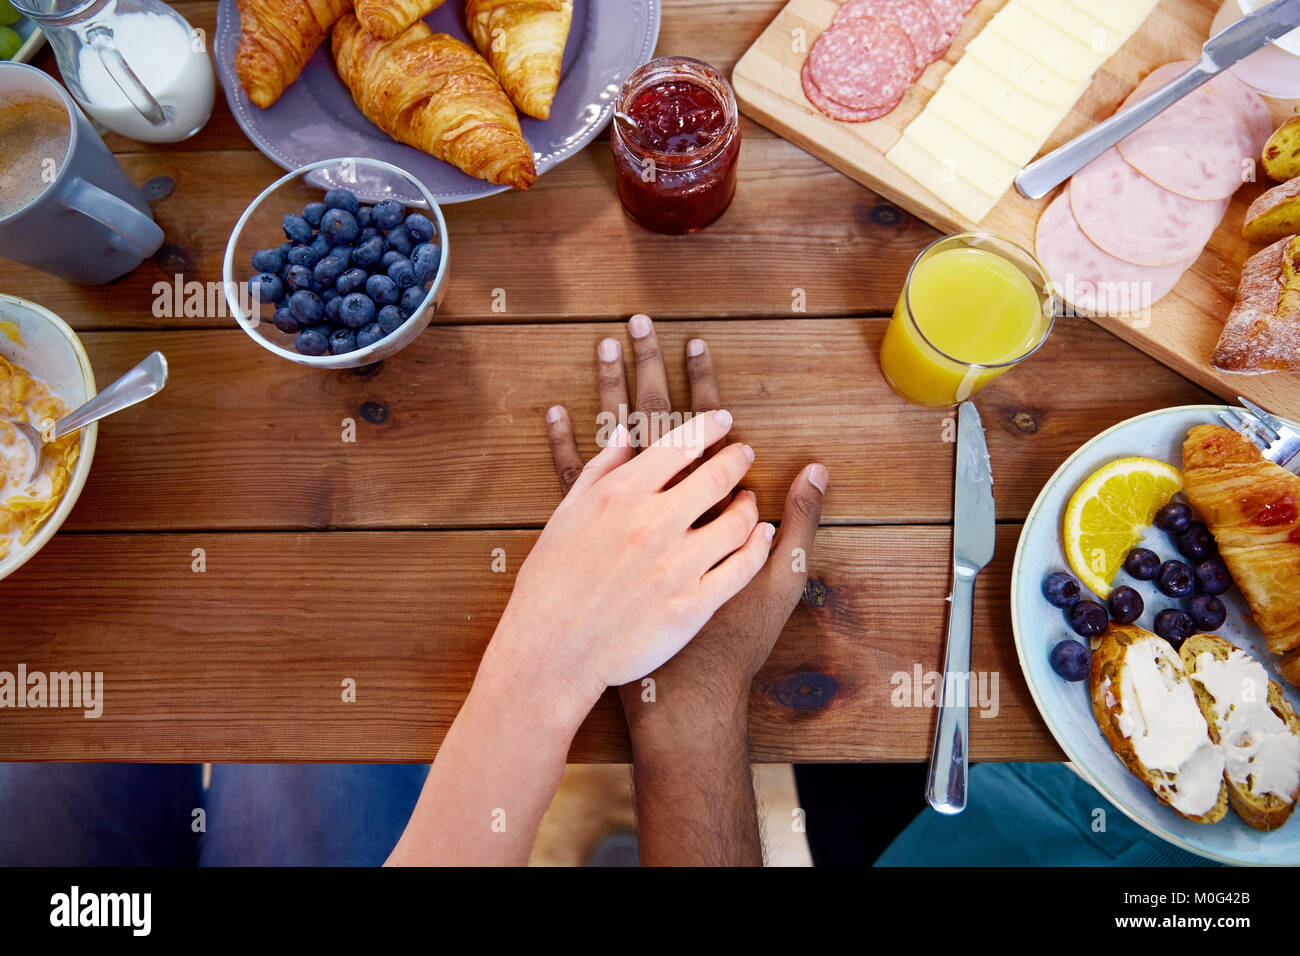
x=158 y=49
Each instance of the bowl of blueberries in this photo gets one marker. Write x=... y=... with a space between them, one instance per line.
x=326 y=268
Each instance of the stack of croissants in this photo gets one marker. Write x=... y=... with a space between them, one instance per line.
x=428 y=90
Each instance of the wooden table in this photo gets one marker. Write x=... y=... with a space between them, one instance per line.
x=372 y=560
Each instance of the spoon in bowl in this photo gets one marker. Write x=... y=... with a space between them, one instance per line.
x=143 y=381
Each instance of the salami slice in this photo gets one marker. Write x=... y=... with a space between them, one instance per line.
x=838 y=111
x=1198 y=147
x=950 y=14
x=864 y=63
x=913 y=16
x=1133 y=219
x=1091 y=280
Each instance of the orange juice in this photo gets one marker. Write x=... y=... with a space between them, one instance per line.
x=965 y=316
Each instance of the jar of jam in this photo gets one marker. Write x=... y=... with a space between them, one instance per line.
x=676 y=159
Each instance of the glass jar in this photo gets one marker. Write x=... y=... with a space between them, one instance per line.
x=676 y=160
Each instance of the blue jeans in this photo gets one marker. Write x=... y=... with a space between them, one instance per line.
x=58 y=814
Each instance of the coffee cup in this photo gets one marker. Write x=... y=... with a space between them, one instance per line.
x=66 y=205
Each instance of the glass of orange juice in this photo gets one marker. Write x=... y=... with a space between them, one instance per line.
x=973 y=306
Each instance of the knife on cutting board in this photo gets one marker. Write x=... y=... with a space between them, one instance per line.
x=974 y=528
x=1227 y=47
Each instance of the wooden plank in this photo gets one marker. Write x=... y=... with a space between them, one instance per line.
x=449 y=432
x=564 y=250
x=245 y=662
x=1183 y=327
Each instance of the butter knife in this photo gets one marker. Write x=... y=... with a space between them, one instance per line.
x=973 y=533
x=1225 y=48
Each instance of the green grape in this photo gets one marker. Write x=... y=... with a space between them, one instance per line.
x=8 y=15
x=10 y=42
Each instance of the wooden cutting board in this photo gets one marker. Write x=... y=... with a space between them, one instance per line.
x=1183 y=327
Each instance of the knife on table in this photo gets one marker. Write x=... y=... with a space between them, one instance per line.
x=1230 y=45
x=974 y=529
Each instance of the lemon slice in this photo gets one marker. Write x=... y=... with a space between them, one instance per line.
x=1109 y=513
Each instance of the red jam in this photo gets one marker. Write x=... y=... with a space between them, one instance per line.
x=1294 y=536
x=1282 y=511
x=677 y=166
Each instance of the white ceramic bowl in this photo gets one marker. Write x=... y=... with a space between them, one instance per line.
x=51 y=351
x=260 y=227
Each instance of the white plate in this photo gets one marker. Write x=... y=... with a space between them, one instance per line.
x=52 y=353
x=1066 y=707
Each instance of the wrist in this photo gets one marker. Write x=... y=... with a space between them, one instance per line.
x=525 y=685
x=686 y=716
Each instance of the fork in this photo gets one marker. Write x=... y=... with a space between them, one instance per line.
x=1280 y=444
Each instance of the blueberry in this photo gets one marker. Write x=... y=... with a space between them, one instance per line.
x=312 y=341
x=267 y=287
x=343 y=199
x=312 y=213
x=339 y=225
x=387 y=214
x=303 y=256
x=285 y=322
x=332 y=307
x=363 y=216
x=321 y=246
x=351 y=281
x=1212 y=576
x=343 y=252
x=343 y=340
x=356 y=310
x=1174 y=626
x=425 y=259
x=1088 y=618
x=284 y=248
x=329 y=293
x=399 y=240
x=368 y=253
x=402 y=274
x=296 y=228
x=418 y=227
x=1196 y=543
x=382 y=289
x=1175 y=579
x=371 y=334
x=411 y=298
x=307 y=307
x=1142 y=563
x=1207 y=612
x=1070 y=660
x=368 y=233
x=389 y=257
x=390 y=319
x=268 y=260
x=298 y=277
x=328 y=269
x=1125 y=605
x=1174 y=517
x=1061 y=589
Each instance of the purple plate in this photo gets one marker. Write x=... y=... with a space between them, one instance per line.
x=316 y=119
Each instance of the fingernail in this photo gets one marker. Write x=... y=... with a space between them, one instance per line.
x=749 y=454
x=639 y=325
x=619 y=435
x=608 y=350
x=554 y=413
x=769 y=530
x=820 y=477
x=723 y=418
x=694 y=347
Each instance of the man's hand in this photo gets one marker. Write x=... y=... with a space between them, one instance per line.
x=695 y=799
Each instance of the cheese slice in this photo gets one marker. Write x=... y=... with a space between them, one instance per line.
x=1046 y=42
x=966 y=156
x=941 y=181
x=1010 y=142
x=1084 y=27
x=1003 y=99
x=1121 y=16
x=1022 y=71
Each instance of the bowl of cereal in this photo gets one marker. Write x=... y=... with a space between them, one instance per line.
x=44 y=374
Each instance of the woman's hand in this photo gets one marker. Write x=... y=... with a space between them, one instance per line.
x=620 y=579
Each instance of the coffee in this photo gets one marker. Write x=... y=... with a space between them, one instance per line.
x=34 y=136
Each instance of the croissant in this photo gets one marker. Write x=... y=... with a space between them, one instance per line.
x=1250 y=506
x=524 y=41
x=387 y=18
x=433 y=92
x=276 y=39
